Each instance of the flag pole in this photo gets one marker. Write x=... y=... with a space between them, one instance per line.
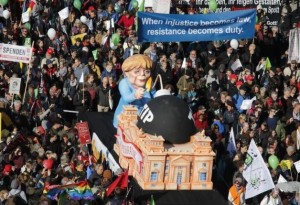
x=1 y=127
x=28 y=71
x=12 y=101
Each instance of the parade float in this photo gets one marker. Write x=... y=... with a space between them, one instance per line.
x=161 y=147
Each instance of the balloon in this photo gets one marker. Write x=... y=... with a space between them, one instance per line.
x=134 y=4
x=83 y=19
x=6 y=14
x=76 y=4
x=256 y=19
x=234 y=44
x=27 y=26
x=115 y=38
x=51 y=33
x=212 y=4
x=273 y=161
x=48 y=163
x=3 y=2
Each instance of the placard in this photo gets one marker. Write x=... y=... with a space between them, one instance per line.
x=83 y=133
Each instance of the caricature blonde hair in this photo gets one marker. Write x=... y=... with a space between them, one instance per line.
x=137 y=61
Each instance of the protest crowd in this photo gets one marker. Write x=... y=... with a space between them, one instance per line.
x=76 y=66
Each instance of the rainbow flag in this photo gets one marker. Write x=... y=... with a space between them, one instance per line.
x=76 y=191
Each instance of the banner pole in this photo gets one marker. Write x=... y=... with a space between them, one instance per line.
x=28 y=71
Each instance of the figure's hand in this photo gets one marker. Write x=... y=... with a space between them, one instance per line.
x=139 y=94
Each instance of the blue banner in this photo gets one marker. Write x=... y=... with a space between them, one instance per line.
x=153 y=27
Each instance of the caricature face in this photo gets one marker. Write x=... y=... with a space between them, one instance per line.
x=138 y=77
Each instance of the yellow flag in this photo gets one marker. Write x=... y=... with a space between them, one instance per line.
x=73 y=38
x=286 y=164
x=268 y=64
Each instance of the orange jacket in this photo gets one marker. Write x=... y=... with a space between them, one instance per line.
x=235 y=195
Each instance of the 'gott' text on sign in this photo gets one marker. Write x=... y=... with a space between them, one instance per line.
x=207 y=27
x=15 y=53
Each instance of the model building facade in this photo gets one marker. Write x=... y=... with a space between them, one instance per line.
x=157 y=165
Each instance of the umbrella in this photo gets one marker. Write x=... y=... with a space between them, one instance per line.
x=293 y=186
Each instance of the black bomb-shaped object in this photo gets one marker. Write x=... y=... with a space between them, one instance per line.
x=169 y=117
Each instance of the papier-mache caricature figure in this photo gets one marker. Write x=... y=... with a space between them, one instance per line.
x=137 y=69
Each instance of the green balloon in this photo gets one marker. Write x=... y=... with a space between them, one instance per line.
x=115 y=38
x=212 y=4
x=77 y=4
x=27 y=26
x=134 y=4
x=3 y=2
x=256 y=19
x=273 y=161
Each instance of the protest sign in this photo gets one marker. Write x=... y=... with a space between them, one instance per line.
x=161 y=6
x=101 y=153
x=83 y=133
x=203 y=27
x=15 y=53
x=14 y=85
x=294 y=47
x=64 y=13
x=272 y=8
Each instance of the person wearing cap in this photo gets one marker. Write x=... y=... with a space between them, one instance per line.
x=240 y=97
x=272 y=198
x=231 y=85
x=236 y=195
x=249 y=80
x=137 y=70
x=49 y=56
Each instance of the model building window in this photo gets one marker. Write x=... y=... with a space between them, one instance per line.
x=179 y=178
x=202 y=176
x=153 y=177
x=155 y=165
x=180 y=167
x=203 y=165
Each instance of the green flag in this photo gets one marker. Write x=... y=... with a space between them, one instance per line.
x=152 y=202
x=268 y=64
x=36 y=92
x=142 y=6
x=95 y=54
x=27 y=42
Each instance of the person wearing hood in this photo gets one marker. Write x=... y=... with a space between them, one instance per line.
x=17 y=192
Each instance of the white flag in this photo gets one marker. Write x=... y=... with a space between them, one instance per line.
x=91 y=26
x=25 y=17
x=64 y=13
x=256 y=173
x=112 y=21
x=281 y=179
x=81 y=78
x=237 y=64
x=183 y=63
x=231 y=147
x=297 y=166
